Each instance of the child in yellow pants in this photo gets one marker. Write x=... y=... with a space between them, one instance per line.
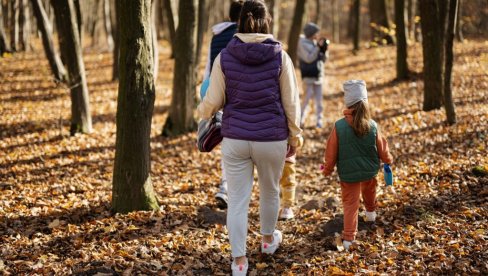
x=288 y=185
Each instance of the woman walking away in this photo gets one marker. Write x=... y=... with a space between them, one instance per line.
x=357 y=147
x=254 y=81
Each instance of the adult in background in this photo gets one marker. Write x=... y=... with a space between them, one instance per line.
x=312 y=53
x=253 y=79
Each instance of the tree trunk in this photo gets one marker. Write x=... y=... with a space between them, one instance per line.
x=432 y=47
x=116 y=52
x=380 y=24
x=171 y=24
x=132 y=186
x=459 y=23
x=274 y=10
x=107 y=24
x=202 y=27
x=296 y=28
x=96 y=29
x=25 y=26
x=318 y=13
x=154 y=37
x=4 y=45
x=357 y=24
x=336 y=33
x=44 y=26
x=412 y=12
x=401 y=37
x=450 y=32
x=69 y=43
x=14 y=25
x=79 y=20
x=180 y=119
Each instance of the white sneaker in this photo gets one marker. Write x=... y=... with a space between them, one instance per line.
x=370 y=216
x=221 y=195
x=238 y=270
x=270 y=248
x=286 y=213
x=346 y=244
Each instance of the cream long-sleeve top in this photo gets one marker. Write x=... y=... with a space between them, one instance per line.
x=215 y=98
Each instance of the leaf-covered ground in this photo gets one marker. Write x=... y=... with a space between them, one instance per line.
x=55 y=189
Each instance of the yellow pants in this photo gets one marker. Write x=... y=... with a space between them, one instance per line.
x=288 y=185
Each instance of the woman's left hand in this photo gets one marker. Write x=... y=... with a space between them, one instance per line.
x=291 y=150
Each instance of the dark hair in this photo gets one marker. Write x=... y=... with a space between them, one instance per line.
x=235 y=10
x=254 y=17
x=361 y=118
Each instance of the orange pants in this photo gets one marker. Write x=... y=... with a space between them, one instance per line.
x=350 y=204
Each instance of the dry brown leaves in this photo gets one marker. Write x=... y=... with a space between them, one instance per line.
x=55 y=190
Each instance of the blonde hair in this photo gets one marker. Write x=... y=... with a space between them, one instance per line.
x=361 y=117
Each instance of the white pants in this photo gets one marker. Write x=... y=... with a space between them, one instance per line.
x=312 y=90
x=239 y=157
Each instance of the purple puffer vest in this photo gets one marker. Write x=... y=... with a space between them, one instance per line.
x=253 y=109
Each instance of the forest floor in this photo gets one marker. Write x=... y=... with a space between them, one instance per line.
x=55 y=190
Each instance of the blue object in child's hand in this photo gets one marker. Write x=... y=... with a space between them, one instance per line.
x=204 y=88
x=388 y=174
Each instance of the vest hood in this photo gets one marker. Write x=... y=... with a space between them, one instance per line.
x=254 y=53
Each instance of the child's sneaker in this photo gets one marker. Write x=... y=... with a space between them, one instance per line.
x=270 y=248
x=286 y=213
x=346 y=244
x=370 y=216
x=238 y=270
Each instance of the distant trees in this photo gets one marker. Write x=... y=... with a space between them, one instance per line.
x=69 y=43
x=180 y=119
x=356 y=15
x=132 y=187
x=438 y=26
x=4 y=45
x=379 y=21
x=296 y=28
x=401 y=37
x=45 y=28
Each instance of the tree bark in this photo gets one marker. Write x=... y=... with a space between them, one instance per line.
x=96 y=23
x=274 y=10
x=412 y=12
x=380 y=23
x=432 y=47
x=401 y=37
x=154 y=37
x=357 y=24
x=44 y=26
x=202 y=27
x=4 y=45
x=69 y=43
x=132 y=186
x=459 y=21
x=14 y=25
x=180 y=119
x=116 y=52
x=107 y=24
x=25 y=26
x=79 y=20
x=318 y=13
x=296 y=27
x=450 y=33
x=336 y=33
x=171 y=24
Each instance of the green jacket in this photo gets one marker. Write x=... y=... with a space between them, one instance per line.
x=357 y=158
